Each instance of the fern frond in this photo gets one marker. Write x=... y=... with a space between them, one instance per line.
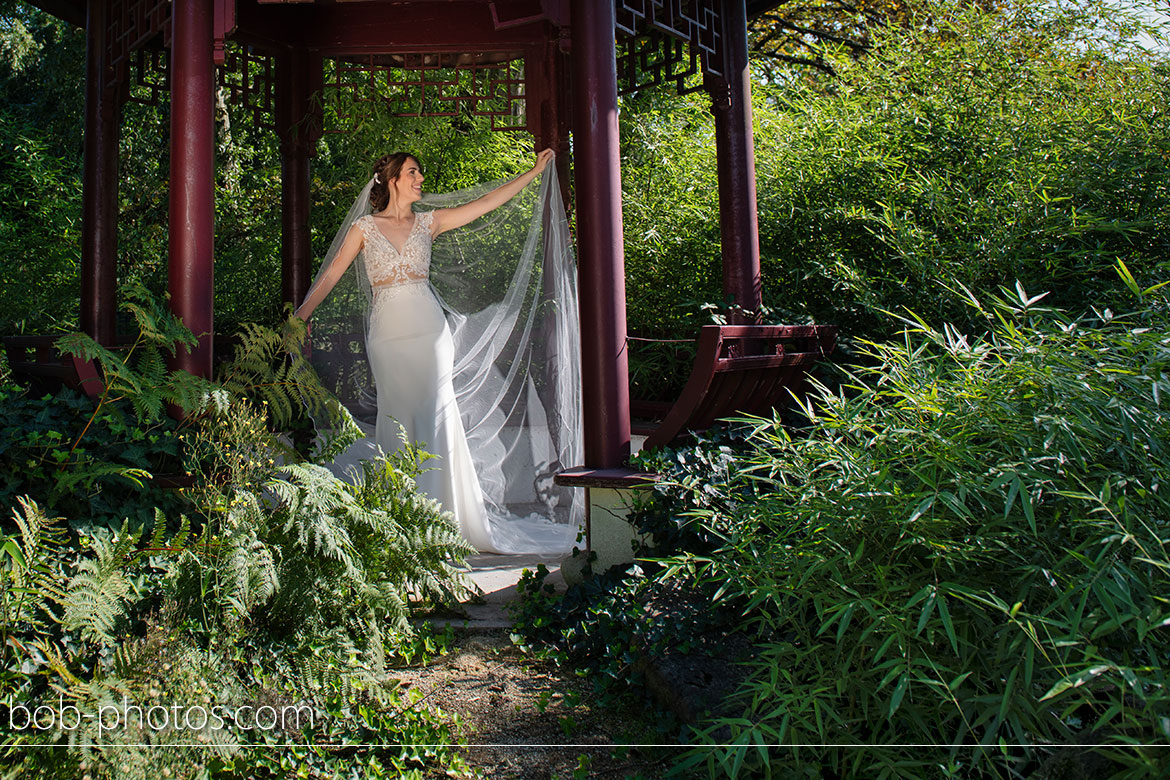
x=82 y=345
x=268 y=366
x=188 y=392
x=151 y=365
x=333 y=441
x=31 y=565
x=94 y=472
x=156 y=323
x=251 y=578
x=99 y=591
x=56 y=661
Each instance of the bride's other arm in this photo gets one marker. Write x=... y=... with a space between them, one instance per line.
x=449 y=219
x=341 y=261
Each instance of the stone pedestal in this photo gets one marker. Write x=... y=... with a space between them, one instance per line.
x=609 y=495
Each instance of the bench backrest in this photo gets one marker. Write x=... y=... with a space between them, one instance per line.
x=744 y=369
x=36 y=362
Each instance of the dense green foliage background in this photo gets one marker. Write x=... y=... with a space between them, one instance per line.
x=967 y=149
x=974 y=150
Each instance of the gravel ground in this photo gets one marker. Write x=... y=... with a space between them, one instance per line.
x=524 y=719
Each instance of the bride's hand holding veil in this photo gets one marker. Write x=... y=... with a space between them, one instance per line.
x=449 y=219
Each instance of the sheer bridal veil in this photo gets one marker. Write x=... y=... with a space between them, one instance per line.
x=507 y=283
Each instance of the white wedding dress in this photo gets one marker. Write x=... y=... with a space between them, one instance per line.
x=412 y=359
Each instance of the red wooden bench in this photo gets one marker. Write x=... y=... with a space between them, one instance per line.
x=738 y=369
x=37 y=363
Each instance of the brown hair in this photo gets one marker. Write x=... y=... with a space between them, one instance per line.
x=387 y=169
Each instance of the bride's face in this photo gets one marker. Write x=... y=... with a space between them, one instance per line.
x=408 y=185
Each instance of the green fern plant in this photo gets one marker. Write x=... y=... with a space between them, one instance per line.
x=139 y=374
x=31 y=576
x=95 y=603
x=351 y=557
x=291 y=554
x=268 y=366
x=104 y=585
x=295 y=583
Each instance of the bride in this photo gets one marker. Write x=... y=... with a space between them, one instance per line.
x=488 y=382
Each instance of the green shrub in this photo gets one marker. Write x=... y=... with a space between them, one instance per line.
x=40 y=206
x=292 y=595
x=106 y=461
x=967 y=549
x=974 y=148
x=105 y=478
x=614 y=622
x=969 y=147
x=292 y=590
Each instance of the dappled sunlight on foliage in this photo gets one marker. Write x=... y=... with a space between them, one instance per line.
x=265 y=582
x=1005 y=151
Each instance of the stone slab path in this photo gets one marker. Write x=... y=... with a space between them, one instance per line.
x=496 y=576
x=524 y=718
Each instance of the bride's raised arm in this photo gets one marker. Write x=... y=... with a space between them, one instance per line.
x=449 y=219
x=327 y=281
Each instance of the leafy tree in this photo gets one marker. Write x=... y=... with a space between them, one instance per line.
x=42 y=74
x=815 y=33
x=41 y=90
x=1007 y=149
x=807 y=32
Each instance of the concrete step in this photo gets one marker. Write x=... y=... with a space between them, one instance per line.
x=496 y=577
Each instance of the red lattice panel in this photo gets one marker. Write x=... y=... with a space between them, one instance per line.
x=149 y=76
x=668 y=40
x=249 y=76
x=429 y=85
x=130 y=25
x=649 y=60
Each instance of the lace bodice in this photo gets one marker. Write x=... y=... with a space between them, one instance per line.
x=385 y=265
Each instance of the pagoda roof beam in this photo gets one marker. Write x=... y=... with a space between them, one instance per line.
x=71 y=11
x=367 y=28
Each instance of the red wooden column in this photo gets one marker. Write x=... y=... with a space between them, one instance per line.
x=735 y=148
x=546 y=90
x=192 y=206
x=293 y=111
x=99 y=189
x=601 y=259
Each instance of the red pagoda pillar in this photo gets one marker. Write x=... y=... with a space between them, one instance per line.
x=99 y=189
x=731 y=99
x=293 y=110
x=600 y=252
x=192 y=204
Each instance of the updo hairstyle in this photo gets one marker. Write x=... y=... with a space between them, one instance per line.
x=387 y=169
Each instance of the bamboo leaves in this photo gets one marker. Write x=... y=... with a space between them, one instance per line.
x=969 y=545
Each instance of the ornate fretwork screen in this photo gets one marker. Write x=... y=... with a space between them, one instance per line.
x=131 y=25
x=149 y=76
x=662 y=41
x=249 y=78
x=418 y=85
